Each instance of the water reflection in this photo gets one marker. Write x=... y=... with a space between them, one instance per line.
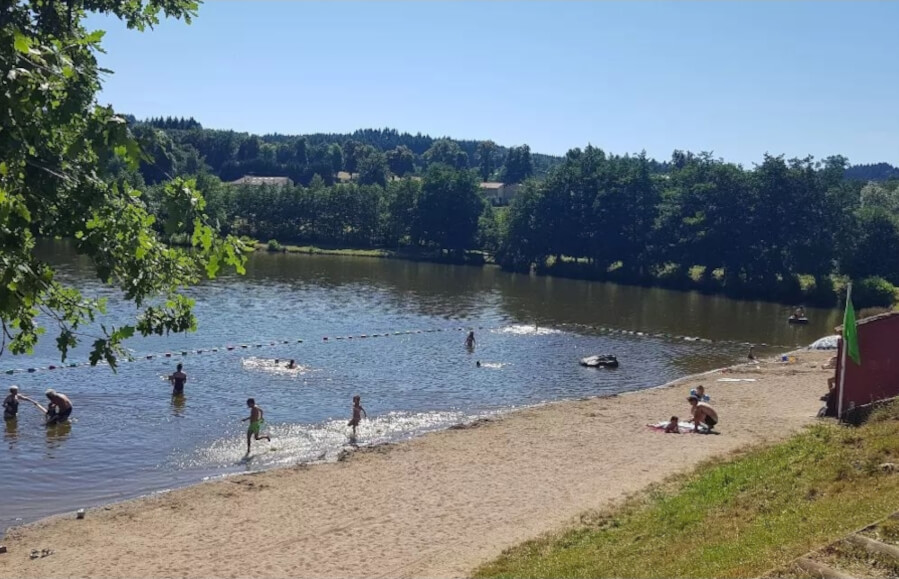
x=11 y=429
x=179 y=403
x=56 y=436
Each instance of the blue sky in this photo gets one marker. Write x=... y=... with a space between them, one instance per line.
x=739 y=79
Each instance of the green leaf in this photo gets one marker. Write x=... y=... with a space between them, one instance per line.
x=22 y=43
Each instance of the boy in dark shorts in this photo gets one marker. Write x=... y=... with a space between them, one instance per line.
x=703 y=414
x=178 y=379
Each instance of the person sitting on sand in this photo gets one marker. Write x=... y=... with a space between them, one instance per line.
x=703 y=414
x=291 y=365
x=178 y=379
x=256 y=420
x=59 y=409
x=469 y=340
x=358 y=411
x=673 y=427
x=699 y=393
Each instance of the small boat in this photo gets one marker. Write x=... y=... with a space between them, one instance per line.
x=603 y=361
x=797 y=320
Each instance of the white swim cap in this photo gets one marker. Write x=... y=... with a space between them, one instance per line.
x=50 y=391
x=13 y=388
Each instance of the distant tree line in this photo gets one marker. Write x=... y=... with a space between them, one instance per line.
x=782 y=229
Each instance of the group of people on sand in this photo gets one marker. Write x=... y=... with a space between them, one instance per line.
x=703 y=416
x=58 y=410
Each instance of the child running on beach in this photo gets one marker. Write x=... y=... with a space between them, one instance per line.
x=358 y=412
x=256 y=421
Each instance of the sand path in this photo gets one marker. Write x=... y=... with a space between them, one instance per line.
x=436 y=506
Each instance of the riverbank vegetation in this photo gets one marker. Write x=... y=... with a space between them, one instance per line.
x=740 y=517
x=61 y=155
x=791 y=230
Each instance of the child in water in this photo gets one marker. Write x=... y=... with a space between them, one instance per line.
x=673 y=426
x=256 y=421
x=358 y=412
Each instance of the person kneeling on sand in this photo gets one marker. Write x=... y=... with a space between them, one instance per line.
x=703 y=414
x=256 y=421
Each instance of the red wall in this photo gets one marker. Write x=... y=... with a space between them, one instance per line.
x=878 y=376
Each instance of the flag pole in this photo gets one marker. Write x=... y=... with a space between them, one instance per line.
x=845 y=346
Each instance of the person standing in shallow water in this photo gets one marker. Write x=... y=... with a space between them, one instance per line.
x=470 y=341
x=11 y=404
x=358 y=412
x=59 y=409
x=178 y=379
x=256 y=419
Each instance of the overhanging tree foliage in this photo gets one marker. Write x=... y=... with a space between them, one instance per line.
x=56 y=145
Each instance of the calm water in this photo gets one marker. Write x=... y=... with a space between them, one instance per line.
x=129 y=438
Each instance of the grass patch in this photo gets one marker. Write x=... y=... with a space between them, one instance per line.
x=737 y=518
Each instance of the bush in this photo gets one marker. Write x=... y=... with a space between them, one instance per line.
x=873 y=292
x=273 y=245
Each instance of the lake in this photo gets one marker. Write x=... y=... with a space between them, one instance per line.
x=395 y=335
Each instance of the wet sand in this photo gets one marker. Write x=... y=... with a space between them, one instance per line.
x=436 y=506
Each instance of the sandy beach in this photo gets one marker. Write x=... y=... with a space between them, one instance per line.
x=435 y=506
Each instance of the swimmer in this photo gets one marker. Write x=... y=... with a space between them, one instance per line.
x=470 y=341
x=358 y=411
x=256 y=419
x=751 y=355
x=478 y=364
x=291 y=365
x=673 y=426
x=178 y=379
x=59 y=409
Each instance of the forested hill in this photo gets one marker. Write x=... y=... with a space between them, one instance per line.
x=370 y=152
x=872 y=172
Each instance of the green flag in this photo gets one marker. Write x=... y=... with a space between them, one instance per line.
x=850 y=334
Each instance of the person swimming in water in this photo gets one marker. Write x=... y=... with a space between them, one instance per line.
x=291 y=365
x=256 y=419
x=469 y=340
x=178 y=379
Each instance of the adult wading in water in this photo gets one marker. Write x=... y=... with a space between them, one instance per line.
x=59 y=409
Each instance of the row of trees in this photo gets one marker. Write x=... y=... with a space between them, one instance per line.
x=756 y=228
x=443 y=210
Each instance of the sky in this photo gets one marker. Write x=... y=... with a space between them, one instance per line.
x=736 y=78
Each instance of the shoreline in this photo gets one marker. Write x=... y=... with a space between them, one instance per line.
x=436 y=504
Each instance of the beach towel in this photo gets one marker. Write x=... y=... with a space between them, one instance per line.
x=737 y=380
x=683 y=427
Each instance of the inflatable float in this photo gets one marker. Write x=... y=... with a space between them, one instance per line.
x=603 y=361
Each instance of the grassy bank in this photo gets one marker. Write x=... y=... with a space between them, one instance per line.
x=436 y=256
x=740 y=517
